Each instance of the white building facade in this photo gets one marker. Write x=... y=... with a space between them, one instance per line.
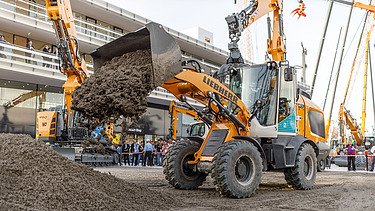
x=32 y=72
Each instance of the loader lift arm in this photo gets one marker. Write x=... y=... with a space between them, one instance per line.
x=222 y=103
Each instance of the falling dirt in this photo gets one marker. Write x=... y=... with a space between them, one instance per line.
x=34 y=177
x=120 y=87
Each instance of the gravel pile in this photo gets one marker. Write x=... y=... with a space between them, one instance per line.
x=119 y=87
x=34 y=177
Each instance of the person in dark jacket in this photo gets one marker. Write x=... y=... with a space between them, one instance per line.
x=46 y=50
x=126 y=150
x=29 y=46
x=351 y=157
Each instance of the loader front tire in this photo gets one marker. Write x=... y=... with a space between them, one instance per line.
x=177 y=171
x=302 y=176
x=237 y=169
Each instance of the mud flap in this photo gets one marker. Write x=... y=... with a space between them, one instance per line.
x=165 y=52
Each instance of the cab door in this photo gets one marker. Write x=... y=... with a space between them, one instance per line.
x=287 y=101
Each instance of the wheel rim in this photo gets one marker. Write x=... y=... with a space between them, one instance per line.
x=188 y=169
x=321 y=164
x=308 y=167
x=244 y=170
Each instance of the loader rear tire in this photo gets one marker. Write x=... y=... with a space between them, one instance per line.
x=237 y=169
x=177 y=171
x=302 y=176
x=322 y=165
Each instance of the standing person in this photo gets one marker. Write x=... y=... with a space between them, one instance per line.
x=47 y=50
x=141 y=150
x=372 y=150
x=2 y=41
x=158 y=151
x=148 y=150
x=125 y=151
x=29 y=46
x=134 y=148
x=118 y=150
x=351 y=157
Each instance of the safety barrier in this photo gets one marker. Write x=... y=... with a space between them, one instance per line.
x=365 y=160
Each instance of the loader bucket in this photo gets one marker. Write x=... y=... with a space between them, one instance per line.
x=165 y=52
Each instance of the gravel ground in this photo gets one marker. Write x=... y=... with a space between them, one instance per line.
x=35 y=177
x=334 y=190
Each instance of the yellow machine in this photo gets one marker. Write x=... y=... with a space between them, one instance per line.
x=22 y=98
x=62 y=122
x=63 y=125
x=345 y=118
x=259 y=120
x=197 y=129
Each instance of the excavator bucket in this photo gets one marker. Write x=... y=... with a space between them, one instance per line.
x=165 y=52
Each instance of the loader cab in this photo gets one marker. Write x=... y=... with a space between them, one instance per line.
x=269 y=92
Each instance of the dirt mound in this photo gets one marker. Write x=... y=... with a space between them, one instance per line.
x=119 y=87
x=34 y=177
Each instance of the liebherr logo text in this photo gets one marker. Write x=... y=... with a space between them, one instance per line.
x=220 y=89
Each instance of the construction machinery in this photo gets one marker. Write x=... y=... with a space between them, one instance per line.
x=259 y=120
x=345 y=118
x=20 y=99
x=62 y=125
x=196 y=130
x=74 y=67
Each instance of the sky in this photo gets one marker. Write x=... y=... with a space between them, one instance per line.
x=210 y=15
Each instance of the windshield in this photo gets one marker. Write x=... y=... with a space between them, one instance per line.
x=197 y=129
x=257 y=82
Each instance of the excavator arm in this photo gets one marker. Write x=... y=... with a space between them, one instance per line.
x=23 y=97
x=346 y=119
x=238 y=22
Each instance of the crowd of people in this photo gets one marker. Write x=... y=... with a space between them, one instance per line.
x=350 y=151
x=150 y=153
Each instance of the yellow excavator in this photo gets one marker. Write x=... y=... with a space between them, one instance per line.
x=259 y=120
x=196 y=130
x=345 y=117
x=59 y=124
x=62 y=125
